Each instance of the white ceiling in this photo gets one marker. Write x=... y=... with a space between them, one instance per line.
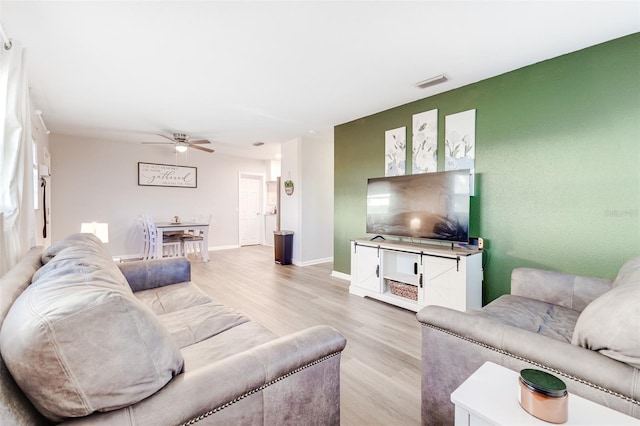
x=270 y=71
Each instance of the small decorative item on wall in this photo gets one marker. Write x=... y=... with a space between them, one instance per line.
x=288 y=187
x=150 y=174
x=395 y=149
x=460 y=143
x=425 y=142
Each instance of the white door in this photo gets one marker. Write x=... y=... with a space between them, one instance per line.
x=250 y=209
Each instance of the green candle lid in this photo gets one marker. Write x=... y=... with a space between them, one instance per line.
x=543 y=382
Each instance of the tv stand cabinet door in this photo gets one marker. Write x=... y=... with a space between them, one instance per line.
x=445 y=282
x=365 y=268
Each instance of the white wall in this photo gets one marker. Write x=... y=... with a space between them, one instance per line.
x=316 y=221
x=290 y=210
x=94 y=180
x=308 y=162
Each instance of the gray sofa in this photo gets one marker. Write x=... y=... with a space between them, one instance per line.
x=87 y=341
x=584 y=330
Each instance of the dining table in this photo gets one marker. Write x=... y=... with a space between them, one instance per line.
x=166 y=227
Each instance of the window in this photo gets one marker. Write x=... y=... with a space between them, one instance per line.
x=36 y=181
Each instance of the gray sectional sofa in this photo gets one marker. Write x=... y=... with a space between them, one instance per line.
x=584 y=330
x=87 y=341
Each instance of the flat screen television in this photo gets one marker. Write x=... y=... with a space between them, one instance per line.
x=433 y=206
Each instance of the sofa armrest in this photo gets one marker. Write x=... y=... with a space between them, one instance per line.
x=568 y=290
x=455 y=344
x=298 y=376
x=146 y=274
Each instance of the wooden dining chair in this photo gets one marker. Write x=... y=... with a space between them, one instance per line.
x=193 y=240
x=171 y=246
x=146 y=241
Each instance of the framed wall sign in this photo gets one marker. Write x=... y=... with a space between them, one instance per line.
x=150 y=174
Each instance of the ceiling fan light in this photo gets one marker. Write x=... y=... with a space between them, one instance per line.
x=181 y=147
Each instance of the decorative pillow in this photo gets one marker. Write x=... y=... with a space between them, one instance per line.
x=629 y=271
x=610 y=323
x=75 y=264
x=76 y=341
x=86 y=242
x=79 y=253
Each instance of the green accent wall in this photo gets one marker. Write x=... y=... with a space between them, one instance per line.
x=557 y=164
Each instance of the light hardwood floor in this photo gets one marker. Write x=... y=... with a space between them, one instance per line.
x=380 y=370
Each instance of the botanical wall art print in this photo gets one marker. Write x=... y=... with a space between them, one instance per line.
x=395 y=151
x=425 y=142
x=460 y=142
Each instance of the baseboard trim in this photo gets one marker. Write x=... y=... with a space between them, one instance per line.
x=223 y=247
x=341 y=275
x=314 y=262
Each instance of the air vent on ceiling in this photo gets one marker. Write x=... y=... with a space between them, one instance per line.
x=432 y=81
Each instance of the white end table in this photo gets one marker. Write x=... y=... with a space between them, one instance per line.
x=490 y=397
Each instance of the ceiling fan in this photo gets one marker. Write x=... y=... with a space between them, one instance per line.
x=182 y=142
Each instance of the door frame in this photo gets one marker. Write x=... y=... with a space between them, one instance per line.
x=261 y=202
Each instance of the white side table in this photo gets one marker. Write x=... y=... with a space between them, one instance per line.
x=490 y=397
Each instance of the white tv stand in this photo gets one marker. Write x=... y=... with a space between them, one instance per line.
x=430 y=274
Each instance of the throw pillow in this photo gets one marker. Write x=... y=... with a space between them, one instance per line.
x=610 y=323
x=84 y=241
x=79 y=253
x=75 y=264
x=85 y=345
x=628 y=271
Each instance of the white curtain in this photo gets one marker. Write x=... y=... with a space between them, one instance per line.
x=17 y=216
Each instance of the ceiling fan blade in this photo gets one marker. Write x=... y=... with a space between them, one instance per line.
x=201 y=148
x=166 y=137
x=199 y=142
x=158 y=143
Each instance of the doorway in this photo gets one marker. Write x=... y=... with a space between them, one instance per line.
x=250 y=209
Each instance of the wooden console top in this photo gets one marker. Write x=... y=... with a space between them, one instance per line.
x=412 y=247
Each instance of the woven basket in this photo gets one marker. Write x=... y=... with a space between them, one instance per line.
x=404 y=290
